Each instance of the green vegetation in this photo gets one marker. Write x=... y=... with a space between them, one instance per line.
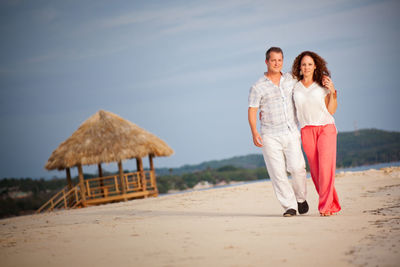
x=252 y=161
x=23 y=196
x=225 y=174
x=364 y=147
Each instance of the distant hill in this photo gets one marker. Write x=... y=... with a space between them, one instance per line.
x=251 y=161
x=362 y=147
x=369 y=146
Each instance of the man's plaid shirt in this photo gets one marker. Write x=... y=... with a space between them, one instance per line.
x=278 y=114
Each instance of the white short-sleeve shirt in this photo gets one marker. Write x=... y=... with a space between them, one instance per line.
x=310 y=105
x=275 y=104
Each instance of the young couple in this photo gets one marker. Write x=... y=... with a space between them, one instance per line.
x=306 y=96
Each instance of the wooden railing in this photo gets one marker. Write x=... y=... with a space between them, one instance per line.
x=112 y=185
x=63 y=200
x=104 y=189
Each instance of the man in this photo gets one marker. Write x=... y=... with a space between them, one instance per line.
x=280 y=137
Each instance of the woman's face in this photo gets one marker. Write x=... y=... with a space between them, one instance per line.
x=307 y=66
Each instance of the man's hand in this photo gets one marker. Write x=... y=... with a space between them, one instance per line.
x=257 y=140
x=252 y=113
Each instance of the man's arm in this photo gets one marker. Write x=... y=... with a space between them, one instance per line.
x=252 y=114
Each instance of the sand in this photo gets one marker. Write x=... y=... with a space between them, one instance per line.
x=232 y=226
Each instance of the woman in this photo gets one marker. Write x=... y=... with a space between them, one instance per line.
x=315 y=98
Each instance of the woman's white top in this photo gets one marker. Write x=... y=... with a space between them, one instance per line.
x=310 y=105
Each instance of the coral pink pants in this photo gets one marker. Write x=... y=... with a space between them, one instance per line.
x=319 y=144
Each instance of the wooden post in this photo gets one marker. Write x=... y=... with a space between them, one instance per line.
x=82 y=185
x=139 y=167
x=101 y=180
x=121 y=177
x=68 y=172
x=100 y=170
x=69 y=181
x=153 y=174
x=65 y=201
x=151 y=162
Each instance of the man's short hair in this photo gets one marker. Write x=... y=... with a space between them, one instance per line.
x=273 y=49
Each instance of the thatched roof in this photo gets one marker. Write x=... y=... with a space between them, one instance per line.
x=106 y=137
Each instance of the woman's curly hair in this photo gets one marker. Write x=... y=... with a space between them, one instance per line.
x=320 y=63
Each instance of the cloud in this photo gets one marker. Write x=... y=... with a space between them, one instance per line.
x=45 y=15
x=166 y=14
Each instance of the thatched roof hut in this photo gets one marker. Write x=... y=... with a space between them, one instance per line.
x=105 y=137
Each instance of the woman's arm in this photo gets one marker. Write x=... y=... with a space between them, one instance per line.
x=331 y=97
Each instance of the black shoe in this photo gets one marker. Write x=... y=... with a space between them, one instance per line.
x=302 y=207
x=289 y=213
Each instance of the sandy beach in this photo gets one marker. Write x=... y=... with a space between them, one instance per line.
x=232 y=226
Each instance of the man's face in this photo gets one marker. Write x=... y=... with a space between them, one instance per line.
x=275 y=62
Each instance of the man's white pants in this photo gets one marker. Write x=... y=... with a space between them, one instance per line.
x=281 y=154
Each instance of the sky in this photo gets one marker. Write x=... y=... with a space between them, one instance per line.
x=181 y=70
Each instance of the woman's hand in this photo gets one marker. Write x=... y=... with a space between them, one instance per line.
x=327 y=82
x=331 y=98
